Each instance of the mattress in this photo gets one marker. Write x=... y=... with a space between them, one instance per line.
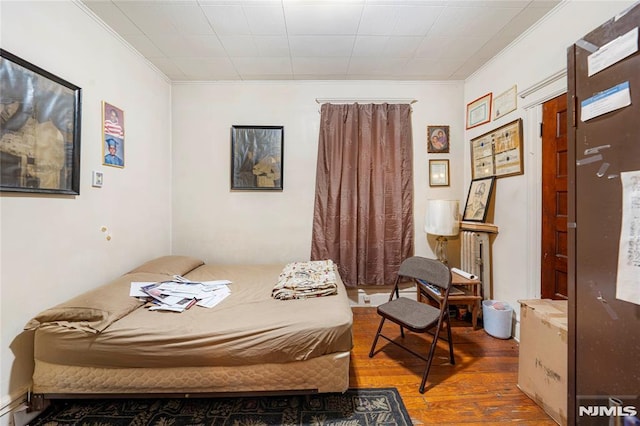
x=249 y=333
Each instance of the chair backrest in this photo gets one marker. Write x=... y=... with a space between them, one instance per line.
x=430 y=270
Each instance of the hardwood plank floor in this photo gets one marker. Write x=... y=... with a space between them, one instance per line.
x=481 y=388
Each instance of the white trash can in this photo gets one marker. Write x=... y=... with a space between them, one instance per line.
x=496 y=317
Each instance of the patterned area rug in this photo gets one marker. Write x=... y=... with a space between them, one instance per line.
x=354 y=407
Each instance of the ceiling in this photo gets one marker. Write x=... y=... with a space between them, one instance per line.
x=196 y=40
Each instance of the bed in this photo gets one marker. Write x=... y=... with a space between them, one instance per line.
x=106 y=342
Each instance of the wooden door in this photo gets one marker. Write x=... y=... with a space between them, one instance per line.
x=554 y=199
x=604 y=274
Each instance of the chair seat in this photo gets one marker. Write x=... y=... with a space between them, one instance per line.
x=409 y=313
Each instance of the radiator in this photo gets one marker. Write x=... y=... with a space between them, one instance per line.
x=475 y=258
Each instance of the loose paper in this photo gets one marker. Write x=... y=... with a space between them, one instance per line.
x=628 y=280
x=613 y=52
x=609 y=100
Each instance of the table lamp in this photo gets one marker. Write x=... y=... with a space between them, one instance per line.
x=442 y=219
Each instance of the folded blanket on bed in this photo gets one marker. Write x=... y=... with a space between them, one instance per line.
x=300 y=280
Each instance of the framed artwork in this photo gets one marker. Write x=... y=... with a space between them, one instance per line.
x=478 y=198
x=479 y=111
x=438 y=172
x=438 y=139
x=505 y=102
x=257 y=158
x=112 y=135
x=39 y=129
x=499 y=152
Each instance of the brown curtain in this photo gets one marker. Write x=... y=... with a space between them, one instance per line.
x=363 y=215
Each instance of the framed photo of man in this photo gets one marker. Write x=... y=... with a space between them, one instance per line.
x=112 y=135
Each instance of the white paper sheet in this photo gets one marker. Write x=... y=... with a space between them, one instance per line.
x=628 y=280
x=606 y=101
x=613 y=52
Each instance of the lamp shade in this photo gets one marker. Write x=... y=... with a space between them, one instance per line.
x=442 y=217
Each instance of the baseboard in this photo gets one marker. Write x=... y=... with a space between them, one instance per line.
x=376 y=295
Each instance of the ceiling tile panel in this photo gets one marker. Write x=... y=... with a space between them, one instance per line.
x=378 y=20
x=415 y=20
x=150 y=17
x=239 y=45
x=188 y=18
x=321 y=45
x=369 y=45
x=376 y=66
x=339 y=18
x=227 y=19
x=263 y=66
x=319 y=39
x=207 y=69
x=265 y=20
x=320 y=66
x=114 y=17
x=189 y=46
x=272 y=45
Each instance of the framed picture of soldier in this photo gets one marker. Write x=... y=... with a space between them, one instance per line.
x=39 y=129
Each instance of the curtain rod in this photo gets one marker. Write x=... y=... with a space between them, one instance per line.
x=366 y=100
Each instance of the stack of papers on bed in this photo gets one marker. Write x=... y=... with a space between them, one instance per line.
x=177 y=296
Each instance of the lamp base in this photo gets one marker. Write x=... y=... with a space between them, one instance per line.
x=441 y=249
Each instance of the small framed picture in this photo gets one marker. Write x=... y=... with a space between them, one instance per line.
x=505 y=102
x=112 y=135
x=478 y=199
x=438 y=172
x=256 y=158
x=479 y=111
x=438 y=139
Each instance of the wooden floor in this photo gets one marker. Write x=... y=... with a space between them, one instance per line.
x=481 y=388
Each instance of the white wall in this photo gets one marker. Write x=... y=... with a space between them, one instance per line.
x=218 y=225
x=52 y=247
x=539 y=53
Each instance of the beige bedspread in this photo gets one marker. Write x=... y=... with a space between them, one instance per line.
x=248 y=327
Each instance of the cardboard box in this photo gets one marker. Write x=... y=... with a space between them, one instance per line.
x=542 y=362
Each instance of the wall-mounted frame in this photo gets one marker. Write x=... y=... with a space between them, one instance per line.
x=438 y=139
x=479 y=111
x=499 y=152
x=39 y=129
x=478 y=199
x=112 y=135
x=257 y=158
x=505 y=102
x=438 y=172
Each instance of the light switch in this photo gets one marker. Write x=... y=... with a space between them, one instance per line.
x=97 y=180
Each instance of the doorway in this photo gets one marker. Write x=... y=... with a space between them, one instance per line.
x=553 y=261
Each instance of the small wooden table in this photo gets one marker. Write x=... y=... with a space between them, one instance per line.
x=465 y=292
